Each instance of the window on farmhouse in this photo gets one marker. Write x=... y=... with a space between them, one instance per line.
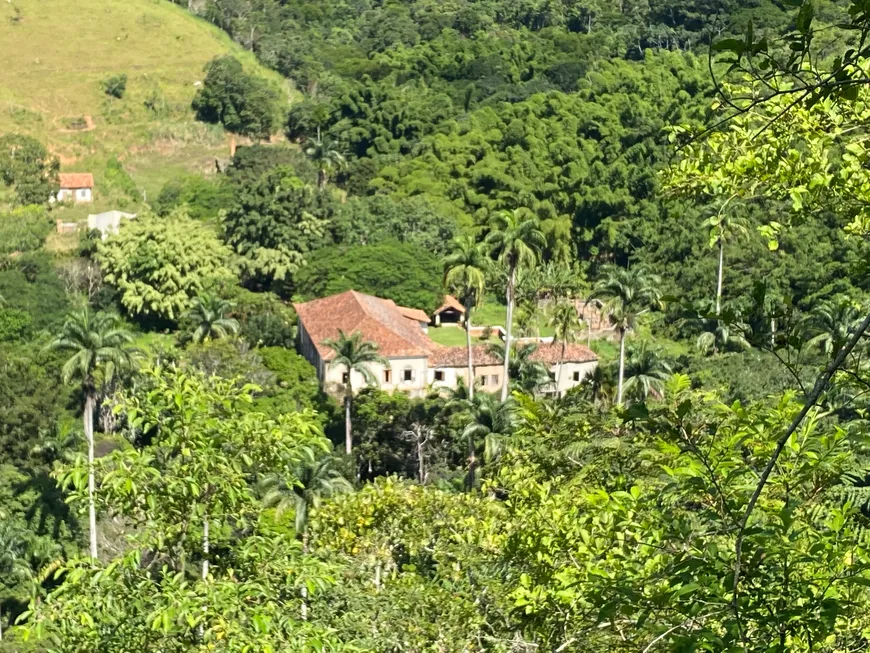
x=388 y=376
x=495 y=379
x=576 y=376
x=344 y=377
x=483 y=380
x=408 y=374
x=439 y=375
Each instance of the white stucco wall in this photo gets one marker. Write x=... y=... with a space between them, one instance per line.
x=333 y=377
x=569 y=370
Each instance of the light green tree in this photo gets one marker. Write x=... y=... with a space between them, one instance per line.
x=465 y=276
x=208 y=317
x=100 y=348
x=354 y=354
x=628 y=294
x=159 y=264
x=192 y=486
x=515 y=240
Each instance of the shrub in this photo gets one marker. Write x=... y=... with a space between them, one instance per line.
x=23 y=230
x=115 y=86
x=14 y=324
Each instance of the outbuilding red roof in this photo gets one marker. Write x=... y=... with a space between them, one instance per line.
x=450 y=302
x=547 y=353
x=75 y=180
x=379 y=320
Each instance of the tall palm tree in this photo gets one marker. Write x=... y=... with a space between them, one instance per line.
x=208 y=315
x=831 y=322
x=566 y=323
x=628 y=294
x=724 y=226
x=326 y=157
x=515 y=240
x=492 y=420
x=354 y=354
x=465 y=275
x=645 y=372
x=100 y=349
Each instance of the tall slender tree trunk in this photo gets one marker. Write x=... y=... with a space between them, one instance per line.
x=512 y=278
x=206 y=546
x=719 y=277
x=348 y=430
x=470 y=355
x=348 y=427
x=90 y=406
x=559 y=374
x=303 y=591
x=621 y=366
x=472 y=463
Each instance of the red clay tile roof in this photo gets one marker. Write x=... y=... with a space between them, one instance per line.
x=414 y=314
x=74 y=180
x=458 y=356
x=451 y=302
x=549 y=353
x=379 y=320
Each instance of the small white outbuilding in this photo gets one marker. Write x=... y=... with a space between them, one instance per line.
x=109 y=222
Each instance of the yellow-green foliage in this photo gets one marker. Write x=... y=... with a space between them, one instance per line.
x=159 y=264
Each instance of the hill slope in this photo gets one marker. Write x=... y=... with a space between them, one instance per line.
x=56 y=53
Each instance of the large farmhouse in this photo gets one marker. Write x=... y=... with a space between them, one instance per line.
x=415 y=363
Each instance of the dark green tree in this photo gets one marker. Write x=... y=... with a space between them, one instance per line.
x=27 y=165
x=275 y=224
x=407 y=274
x=243 y=103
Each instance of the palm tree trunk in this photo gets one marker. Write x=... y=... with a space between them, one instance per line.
x=621 y=366
x=348 y=430
x=559 y=374
x=90 y=405
x=205 y=548
x=472 y=463
x=719 y=278
x=470 y=355
x=507 y=337
x=304 y=589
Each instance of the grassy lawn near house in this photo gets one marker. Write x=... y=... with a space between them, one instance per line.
x=493 y=313
x=450 y=336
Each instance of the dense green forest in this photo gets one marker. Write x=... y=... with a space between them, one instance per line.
x=173 y=477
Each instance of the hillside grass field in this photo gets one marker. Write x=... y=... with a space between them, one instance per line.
x=55 y=55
